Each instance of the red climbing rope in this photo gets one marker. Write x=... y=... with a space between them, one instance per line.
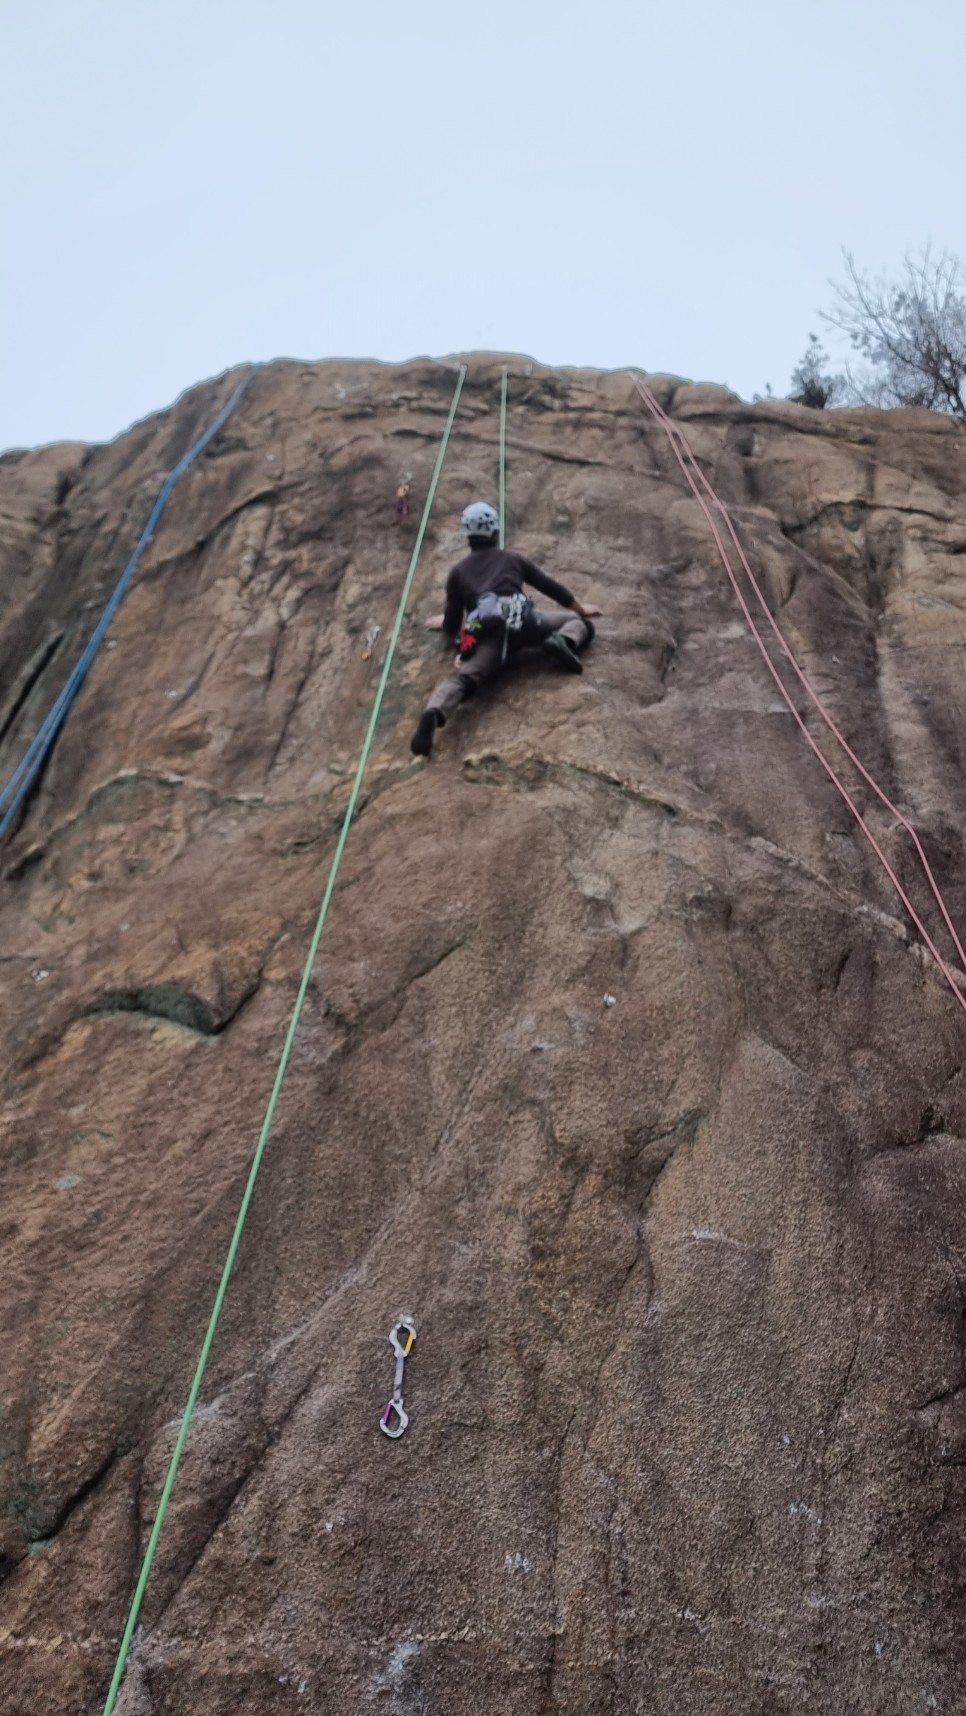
x=689 y=465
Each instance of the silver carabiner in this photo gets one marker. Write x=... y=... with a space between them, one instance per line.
x=394 y=1420
x=400 y=1350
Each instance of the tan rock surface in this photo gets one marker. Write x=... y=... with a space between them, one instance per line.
x=688 y=1403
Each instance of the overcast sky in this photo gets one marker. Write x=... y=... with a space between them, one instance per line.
x=191 y=184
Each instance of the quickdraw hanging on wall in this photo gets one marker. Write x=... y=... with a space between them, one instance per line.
x=402 y=1337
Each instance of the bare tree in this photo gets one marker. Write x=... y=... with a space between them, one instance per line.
x=811 y=382
x=910 y=332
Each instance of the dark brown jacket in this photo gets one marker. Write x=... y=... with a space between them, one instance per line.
x=501 y=571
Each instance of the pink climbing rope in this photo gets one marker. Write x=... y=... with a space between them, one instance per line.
x=691 y=469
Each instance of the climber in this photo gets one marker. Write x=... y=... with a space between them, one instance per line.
x=402 y=497
x=491 y=617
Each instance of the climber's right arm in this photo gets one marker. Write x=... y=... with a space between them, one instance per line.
x=557 y=592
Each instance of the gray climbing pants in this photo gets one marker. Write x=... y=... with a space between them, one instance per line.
x=487 y=659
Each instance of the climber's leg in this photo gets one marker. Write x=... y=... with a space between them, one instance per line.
x=485 y=662
x=562 y=635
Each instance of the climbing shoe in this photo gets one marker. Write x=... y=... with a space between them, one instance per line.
x=421 y=742
x=564 y=652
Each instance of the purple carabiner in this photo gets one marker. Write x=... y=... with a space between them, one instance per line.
x=394 y=1420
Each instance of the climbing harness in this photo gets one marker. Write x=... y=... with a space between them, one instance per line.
x=402 y=1337
x=239 y=1228
x=694 y=476
x=508 y=612
x=13 y=794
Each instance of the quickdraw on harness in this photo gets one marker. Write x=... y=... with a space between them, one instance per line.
x=402 y=1337
x=510 y=612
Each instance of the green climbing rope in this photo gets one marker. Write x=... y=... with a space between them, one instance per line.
x=503 y=461
x=206 y=1345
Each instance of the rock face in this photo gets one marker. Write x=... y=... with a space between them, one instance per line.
x=688 y=1401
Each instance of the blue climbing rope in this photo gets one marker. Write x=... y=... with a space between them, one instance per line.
x=18 y=786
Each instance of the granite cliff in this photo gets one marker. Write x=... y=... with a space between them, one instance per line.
x=688 y=1403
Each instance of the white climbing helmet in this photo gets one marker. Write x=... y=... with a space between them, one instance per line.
x=480 y=519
